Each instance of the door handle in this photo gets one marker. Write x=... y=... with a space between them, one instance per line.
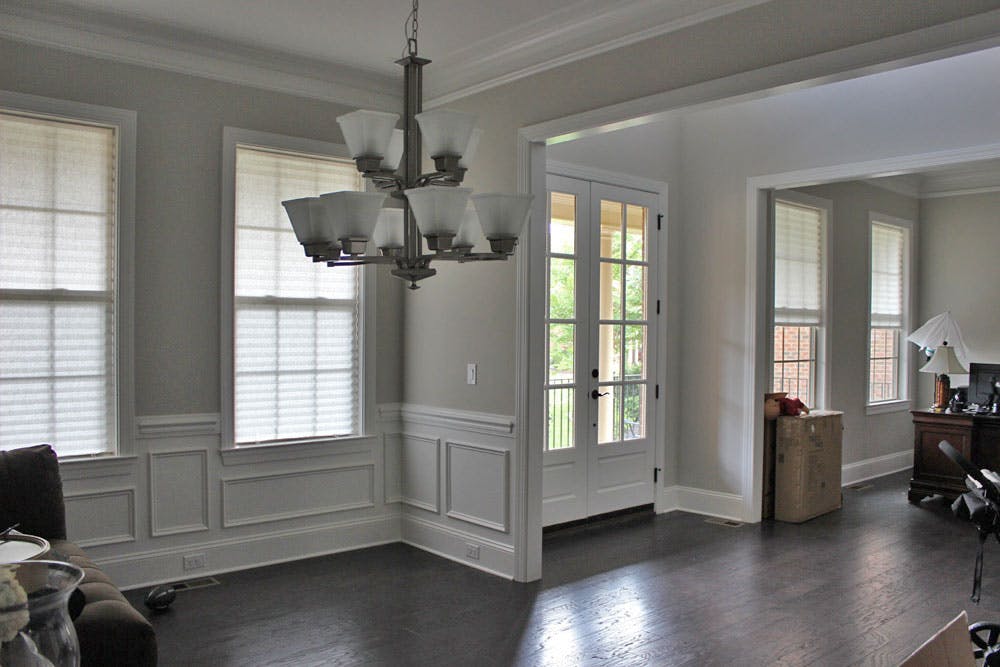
x=596 y=394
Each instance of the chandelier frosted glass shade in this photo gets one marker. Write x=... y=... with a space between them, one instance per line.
x=468 y=234
x=470 y=149
x=438 y=212
x=446 y=132
x=388 y=234
x=368 y=133
x=312 y=227
x=353 y=216
x=502 y=217
x=394 y=152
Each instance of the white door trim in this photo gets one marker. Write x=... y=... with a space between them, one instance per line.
x=951 y=39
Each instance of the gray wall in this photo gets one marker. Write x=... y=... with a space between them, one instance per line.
x=865 y=436
x=960 y=272
x=178 y=200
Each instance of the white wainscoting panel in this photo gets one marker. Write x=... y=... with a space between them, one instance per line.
x=392 y=452
x=178 y=492
x=101 y=517
x=289 y=495
x=478 y=484
x=420 y=471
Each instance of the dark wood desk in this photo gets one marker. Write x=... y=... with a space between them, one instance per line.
x=977 y=438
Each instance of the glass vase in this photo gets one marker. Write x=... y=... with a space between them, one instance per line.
x=35 y=627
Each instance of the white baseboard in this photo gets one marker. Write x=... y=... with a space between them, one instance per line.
x=494 y=557
x=862 y=471
x=702 y=501
x=239 y=553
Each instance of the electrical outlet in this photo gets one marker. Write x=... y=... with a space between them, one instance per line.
x=471 y=374
x=472 y=551
x=194 y=561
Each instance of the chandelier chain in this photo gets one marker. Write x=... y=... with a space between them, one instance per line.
x=410 y=28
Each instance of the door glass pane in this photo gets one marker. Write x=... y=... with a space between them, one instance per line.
x=562 y=225
x=634 y=408
x=611 y=291
x=559 y=412
x=610 y=356
x=611 y=229
x=635 y=352
x=635 y=292
x=562 y=285
x=609 y=415
x=635 y=232
x=561 y=348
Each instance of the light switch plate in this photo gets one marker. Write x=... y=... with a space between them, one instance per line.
x=471 y=374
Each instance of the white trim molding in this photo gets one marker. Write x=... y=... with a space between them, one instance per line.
x=879 y=466
x=703 y=501
x=171 y=426
x=133 y=41
x=503 y=485
x=448 y=542
x=154 y=528
x=227 y=485
x=128 y=493
x=461 y=420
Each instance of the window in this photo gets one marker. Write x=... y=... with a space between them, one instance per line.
x=297 y=326
x=65 y=244
x=799 y=297
x=888 y=310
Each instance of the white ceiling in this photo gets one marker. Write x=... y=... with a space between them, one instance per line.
x=474 y=43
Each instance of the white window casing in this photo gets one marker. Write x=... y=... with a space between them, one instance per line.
x=296 y=344
x=66 y=248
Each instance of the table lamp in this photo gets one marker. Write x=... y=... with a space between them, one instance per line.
x=942 y=363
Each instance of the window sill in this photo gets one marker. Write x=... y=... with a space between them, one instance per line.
x=296 y=449
x=90 y=467
x=887 y=407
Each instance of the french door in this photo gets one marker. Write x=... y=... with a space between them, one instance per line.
x=600 y=334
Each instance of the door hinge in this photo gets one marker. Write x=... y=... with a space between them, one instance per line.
x=656 y=391
x=656 y=475
x=657 y=306
x=659 y=221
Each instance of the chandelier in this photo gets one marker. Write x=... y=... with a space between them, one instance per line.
x=337 y=227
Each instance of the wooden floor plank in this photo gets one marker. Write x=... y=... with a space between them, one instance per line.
x=863 y=586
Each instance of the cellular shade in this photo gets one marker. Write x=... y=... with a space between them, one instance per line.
x=887 y=275
x=58 y=233
x=296 y=323
x=798 y=264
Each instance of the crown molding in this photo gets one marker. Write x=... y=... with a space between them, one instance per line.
x=897 y=186
x=587 y=28
x=148 y=44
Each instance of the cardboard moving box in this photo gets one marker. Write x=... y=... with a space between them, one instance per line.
x=807 y=469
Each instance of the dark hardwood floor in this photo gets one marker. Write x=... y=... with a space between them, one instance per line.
x=864 y=586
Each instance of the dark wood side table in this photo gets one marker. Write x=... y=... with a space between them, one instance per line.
x=933 y=472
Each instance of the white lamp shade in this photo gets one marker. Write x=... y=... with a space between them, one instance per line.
x=438 y=210
x=353 y=214
x=470 y=149
x=368 y=133
x=306 y=216
x=389 y=229
x=502 y=216
x=446 y=132
x=468 y=234
x=944 y=361
x=394 y=152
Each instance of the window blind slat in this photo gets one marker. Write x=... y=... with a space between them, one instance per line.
x=57 y=267
x=888 y=242
x=297 y=354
